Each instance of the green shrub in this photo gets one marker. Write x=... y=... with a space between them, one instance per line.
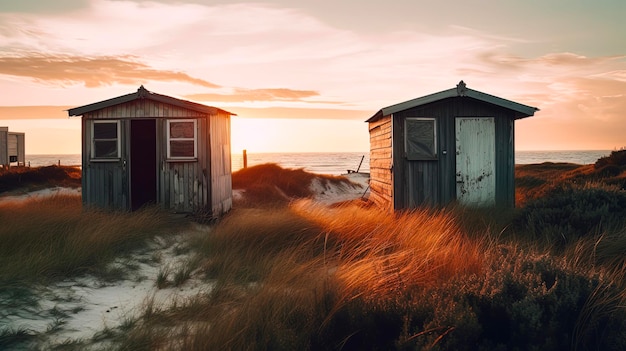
x=569 y=212
x=523 y=302
x=617 y=158
x=529 y=181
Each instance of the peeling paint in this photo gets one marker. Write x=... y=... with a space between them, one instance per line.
x=475 y=149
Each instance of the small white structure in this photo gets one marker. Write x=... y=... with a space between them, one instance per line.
x=11 y=148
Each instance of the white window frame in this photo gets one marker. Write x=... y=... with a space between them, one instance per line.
x=195 y=139
x=434 y=155
x=94 y=140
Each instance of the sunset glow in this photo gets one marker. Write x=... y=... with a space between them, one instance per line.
x=305 y=75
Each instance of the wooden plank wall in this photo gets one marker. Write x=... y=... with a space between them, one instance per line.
x=144 y=108
x=15 y=147
x=505 y=162
x=21 y=149
x=184 y=186
x=433 y=182
x=12 y=144
x=104 y=184
x=381 y=179
x=221 y=175
x=4 y=143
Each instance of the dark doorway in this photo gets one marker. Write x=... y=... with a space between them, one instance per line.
x=143 y=163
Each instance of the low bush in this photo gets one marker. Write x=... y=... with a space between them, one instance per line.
x=39 y=177
x=530 y=305
x=615 y=158
x=570 y=211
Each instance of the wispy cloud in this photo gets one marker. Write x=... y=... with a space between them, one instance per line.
x=252 y=95
x=247 y=47
x=33 y=112
x=90 y=71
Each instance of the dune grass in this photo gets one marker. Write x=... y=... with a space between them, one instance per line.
x=285 y=274
x=350 y=277
x=35 y=178
x=353 y=278
x=53 y=237
x=271 y=185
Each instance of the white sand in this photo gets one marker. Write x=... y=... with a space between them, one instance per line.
x=81 y=308
x=41 y=193
x=328 y=193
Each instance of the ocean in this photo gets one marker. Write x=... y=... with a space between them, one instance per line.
x=341 y=162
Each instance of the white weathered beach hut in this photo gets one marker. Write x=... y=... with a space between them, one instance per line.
x=12 y=149
x=454 y=145
x=144 y=148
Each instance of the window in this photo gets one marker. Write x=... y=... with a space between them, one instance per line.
x=106 y=140
x=420 y=139
x=182 y=139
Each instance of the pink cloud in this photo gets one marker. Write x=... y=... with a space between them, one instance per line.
x=90 y=71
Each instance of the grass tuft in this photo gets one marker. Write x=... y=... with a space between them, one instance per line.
x=35 y=178
x=53 y=237
x=16 y=338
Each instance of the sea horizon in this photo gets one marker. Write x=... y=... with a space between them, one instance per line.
x=339 y=162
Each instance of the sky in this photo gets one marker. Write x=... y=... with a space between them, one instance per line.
x=303 y=76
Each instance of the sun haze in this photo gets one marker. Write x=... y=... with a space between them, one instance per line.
x=305 y=75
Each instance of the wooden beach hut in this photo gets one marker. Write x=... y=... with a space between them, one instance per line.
x=144 y=148
x=12 y=149
x=454 y=145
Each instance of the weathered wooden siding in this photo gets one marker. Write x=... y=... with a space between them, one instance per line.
x=143 y=173
x=505 y=162
x=4 y=152
x=11 y=144
x=433 y=182
x=183 y=185
x=221 y=177
x=381 y=177
x=21 y=149
x=144 y=108
x=104 y=184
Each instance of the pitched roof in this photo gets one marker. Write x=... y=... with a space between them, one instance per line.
x=460 y=90
x=143 y=93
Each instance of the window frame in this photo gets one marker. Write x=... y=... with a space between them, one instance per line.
x=117 y=140
x=412 y=157
x=169 y=139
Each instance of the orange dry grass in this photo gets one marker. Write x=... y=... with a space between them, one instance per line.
x=535 y=180
x=48 y=237
x=271 y=184
x=39 y=177
x=381 y=255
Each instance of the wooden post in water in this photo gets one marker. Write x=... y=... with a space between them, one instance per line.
x=360 y=163
x=245 y=158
